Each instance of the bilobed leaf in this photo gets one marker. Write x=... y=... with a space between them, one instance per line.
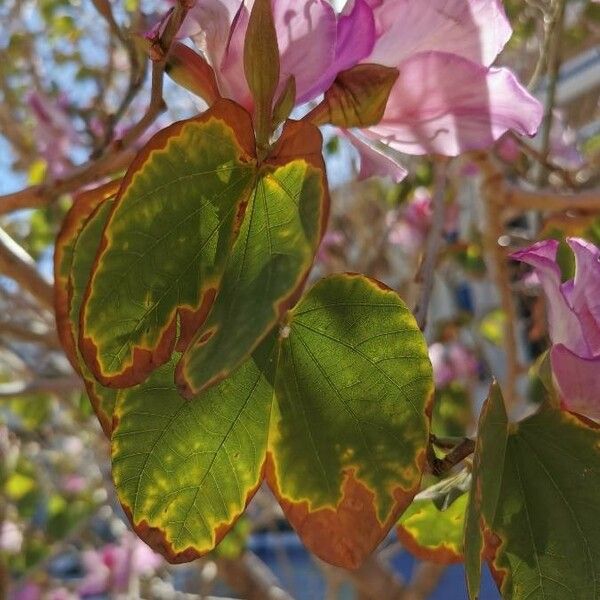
x=357 y=98
x=488 y=463
x=349 y=428
x=84 y=205
x=166 y=243
x=545 y=538
x=431 y=534
x=271 y=257
x=185 y=470
x=76 y=248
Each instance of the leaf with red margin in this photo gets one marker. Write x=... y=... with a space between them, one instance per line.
x=185 y=470
x=166 y=243
x=350 y=428
x=84 y=253
x=488 y=463
x=76 y=248
x=283 y=225
x=431 y=534
x=84 y=204
x=544 y=540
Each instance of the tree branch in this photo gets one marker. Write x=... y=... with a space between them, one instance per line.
x=20 y=267
x=117 y=155
x=426 y=272
x=43 y=385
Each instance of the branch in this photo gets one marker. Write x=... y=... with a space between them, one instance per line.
x=117 y=155
x=524 y=200
x=44 y=385
x=554 y=60
x=36 y=196
x=19 y=266
x=39 y=334
x=251 y=578
x=440 y=466
x=425 y=276
x=497 y=263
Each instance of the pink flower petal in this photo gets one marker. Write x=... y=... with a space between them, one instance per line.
x=306 y=34
x=473 y=29
x=374 y=161
x=564 y=325
x=314 y=43
x=445 y=104
x=585 y=291
x=578 y=381
x=355 y=37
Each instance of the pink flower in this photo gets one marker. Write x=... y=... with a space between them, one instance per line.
x=573 y=320
x=451 y=362
x=28 y=591
x=111 y=567
x=11 y=538
x=55 y=134
x=411 y=227
x=447 y=98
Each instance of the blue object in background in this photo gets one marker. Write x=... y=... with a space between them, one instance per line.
x=285 y=555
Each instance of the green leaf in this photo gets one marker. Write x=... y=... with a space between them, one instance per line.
x=74 y=255
x=357 y=98
x=271 y=257
x=431 y=534
x=488 y=463
x=84 y=205
x=545 y=538
x=261 y=66
x=166 y=242
x=286 y=102
x=349 y=434
x=101 y=398
x=185 y=470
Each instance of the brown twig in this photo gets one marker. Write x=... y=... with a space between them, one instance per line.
x=440 y=466
x=251 y=578
x=425 y=275
x=554 y=61
x=495 y=201
x=44 y=385
x=19 y=266
x=525 y=200
x=118 y=154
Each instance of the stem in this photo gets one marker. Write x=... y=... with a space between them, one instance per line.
x=554 y=61
x=426 y=272
x=494 y=193
x=19 y=266
x=440 y=466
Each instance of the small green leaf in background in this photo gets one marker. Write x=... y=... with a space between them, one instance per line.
x=270 y=260
x=166 y=243
x=431 y=534
x=349 y=430
x=185 y=470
